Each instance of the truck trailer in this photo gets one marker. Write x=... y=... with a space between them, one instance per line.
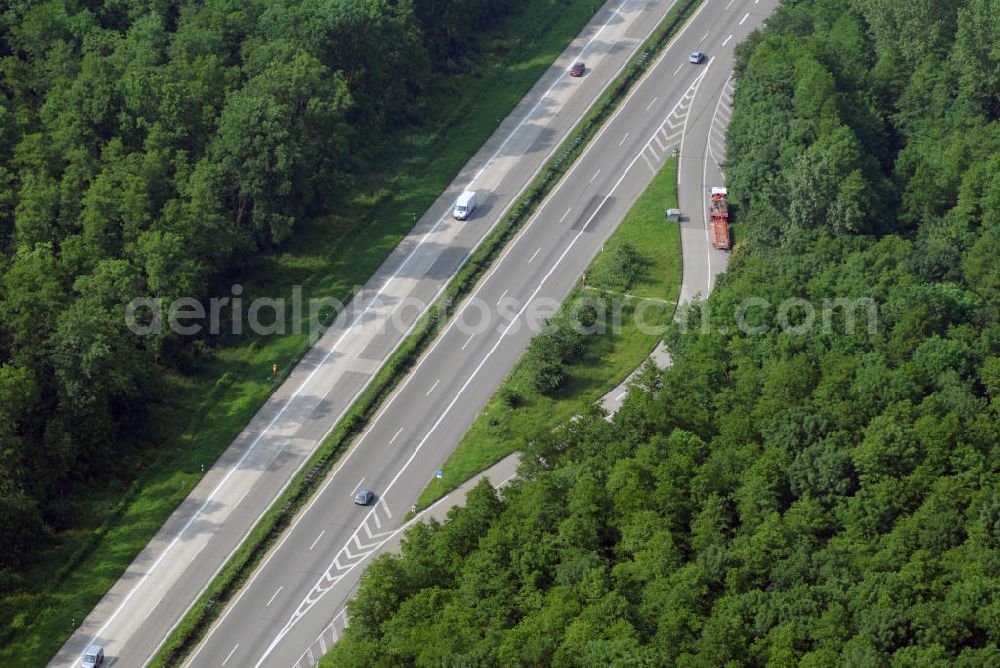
x=718 y=215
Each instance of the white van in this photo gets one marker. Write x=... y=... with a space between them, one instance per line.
x=465 y=205
x=93 y=657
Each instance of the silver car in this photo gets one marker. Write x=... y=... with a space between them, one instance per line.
x=93 y=657
x=363 y=497
x=696 y=57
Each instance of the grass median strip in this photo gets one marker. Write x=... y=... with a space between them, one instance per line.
x=519 y=412
x=193 y=626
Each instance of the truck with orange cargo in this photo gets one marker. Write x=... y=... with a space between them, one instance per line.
x=718 y=218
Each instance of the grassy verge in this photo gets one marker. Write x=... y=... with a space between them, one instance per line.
x=505 y=425
x=329 y=257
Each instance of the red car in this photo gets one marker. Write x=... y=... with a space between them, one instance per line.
x=577 y=70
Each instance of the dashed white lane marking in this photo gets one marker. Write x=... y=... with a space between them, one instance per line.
x=727 y=39
x=501 y=297
x=230 y=655
x=357 y=486
x=744 y=19
x=679 y=67
x=619 y=143
x=150 y=611
x=317 y=539
x=464 y=345
x=432 y=387
x=652 y=102
x=191 y=558
x=393 y=439
x=571 y=208
x=534 y=255
x=730 y=4
x=273 y=596
x=703 y=38
x=595 y=175
x=241 y=498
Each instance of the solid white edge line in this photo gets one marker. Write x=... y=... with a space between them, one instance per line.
x=496 y=266
x=475 y=247
x=475 y=292
x=704 y=178
x=289 y=625
x=451 y=323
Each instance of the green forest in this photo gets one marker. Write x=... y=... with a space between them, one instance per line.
x=813 y=495
x=158 y=148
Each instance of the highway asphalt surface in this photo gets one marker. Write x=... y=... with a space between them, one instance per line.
x=303 y=584
x=702 y=159
x=135 y=616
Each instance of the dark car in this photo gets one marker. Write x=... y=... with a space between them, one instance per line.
x=577 y=70
x=363 y=497
x=696 y=57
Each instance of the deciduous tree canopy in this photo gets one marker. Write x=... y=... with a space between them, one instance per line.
x=148 y=149
x=820 y=497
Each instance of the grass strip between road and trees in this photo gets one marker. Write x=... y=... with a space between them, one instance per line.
x=192 y=628
x=640 y=261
